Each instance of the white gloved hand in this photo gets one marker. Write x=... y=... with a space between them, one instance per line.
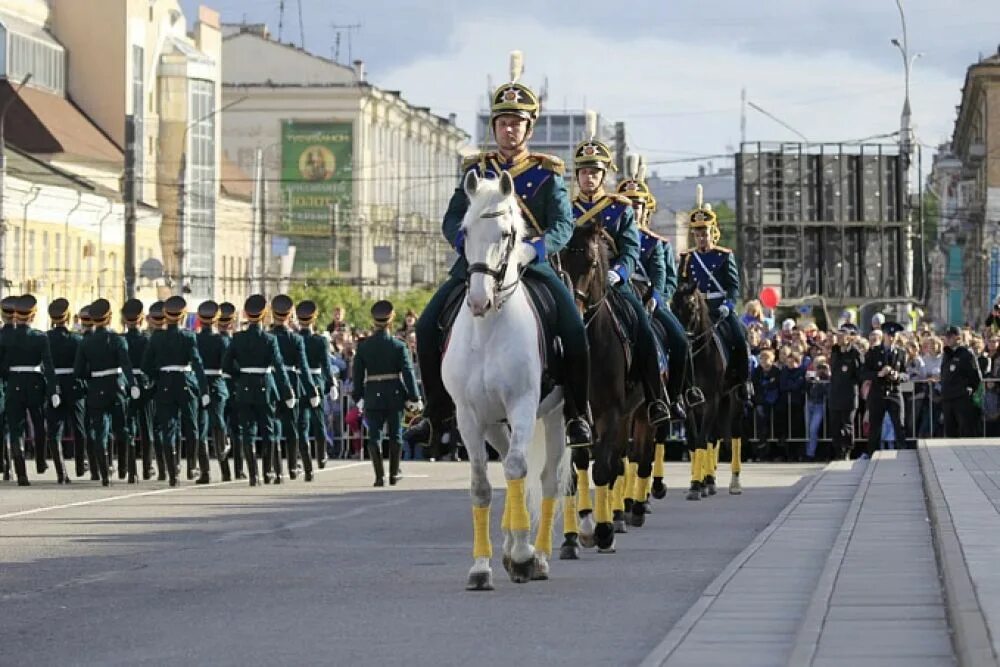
x=206 y=400
x=723 y=311
x=529 y=253
x=290 y=403
x=415 y=406
x=361 y=405
x=56 y=401
x=334 y=392
x=135 y=393
x=314 y=401
x=613 y=278
x=652 y=306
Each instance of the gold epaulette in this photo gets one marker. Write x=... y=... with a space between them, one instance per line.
x=620 y=199
x=472 y=160
x=550 y=163
x=650 y=232
x=722 y=249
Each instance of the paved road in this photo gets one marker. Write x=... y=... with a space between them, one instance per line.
x=337 y=573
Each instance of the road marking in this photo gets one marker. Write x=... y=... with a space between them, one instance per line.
x=96 y=501
x=306 y=523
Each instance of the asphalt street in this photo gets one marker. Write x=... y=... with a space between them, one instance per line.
x=337 y=573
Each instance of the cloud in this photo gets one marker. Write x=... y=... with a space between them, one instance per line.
x=677 y=101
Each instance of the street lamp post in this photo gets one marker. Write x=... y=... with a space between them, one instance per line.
x=3 y=182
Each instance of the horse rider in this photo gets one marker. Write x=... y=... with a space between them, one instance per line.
x=384 y=386
x=27 y=364
x=591 y=162
x=212 y=417
x=311 y=419
x=68 y=417
x=140 y=411
x=659 y=267
x=227 y=324
x=254 y=362
x=103 y=360
x=545 y=205
x=173 y=363
x=293 y=352
x=713 y=269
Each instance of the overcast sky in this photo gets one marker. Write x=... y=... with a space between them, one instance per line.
x=672 y=70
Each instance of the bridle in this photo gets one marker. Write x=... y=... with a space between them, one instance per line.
x=581 y=292
x=501 y=292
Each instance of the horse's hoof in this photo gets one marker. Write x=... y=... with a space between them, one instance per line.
x=694 y=493
x=587 y=531
x=541 y=571
x=638 y=516
x=659 y=488
x=704 y=492
x=569 y=552
x=711 y=488
x=647 y=508
x=628 y=504
x=604 y=538
x=506 y=563
x=480 y=581
x=618 y=519
x=522 y=573
x=735 y=489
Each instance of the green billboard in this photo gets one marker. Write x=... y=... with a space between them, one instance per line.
x=316 y=172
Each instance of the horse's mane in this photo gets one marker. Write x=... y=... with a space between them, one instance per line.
x=704 y=319
x=488 y=198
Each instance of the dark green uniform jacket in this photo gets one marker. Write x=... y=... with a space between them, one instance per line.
x=383 y=373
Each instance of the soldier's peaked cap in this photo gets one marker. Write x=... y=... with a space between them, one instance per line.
x=85 y=314
x=227 y=311
x=382 y=311
x=100 y=310
x=8 y=304
x=59 y=309
x=26 y=304
x=156 y=310
x=282 y=305
x=255 y=306
x=305 y=310
x=208 y=310
x=132 y=310
x=892 y=328
x=174 y=306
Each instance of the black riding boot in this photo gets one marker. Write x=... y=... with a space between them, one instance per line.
x=276 y=461
x=123 y=448
x=246 y=448
x=219 y=437
x=439 y=409
x=55 y=451
x=394 y=453
x=21 y=469
x=131 y=463
x=170 y=461
x=204 y=464
x=375 y=452
x=102 y=466
x=576 y=400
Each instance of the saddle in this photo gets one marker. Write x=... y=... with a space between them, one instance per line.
x=543 y=305
x=659 y=337
x=625 y=325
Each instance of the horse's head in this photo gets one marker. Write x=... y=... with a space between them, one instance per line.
x=690 y=307
x=585 y=261
x=493 y=229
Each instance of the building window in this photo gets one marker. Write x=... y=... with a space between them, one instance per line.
x=23 y=54
x=138 y=93
x=30 y=253
x=57 y=244
x=199 y=223
x=45 y=254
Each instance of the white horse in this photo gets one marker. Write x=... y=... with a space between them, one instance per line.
x=492 y=368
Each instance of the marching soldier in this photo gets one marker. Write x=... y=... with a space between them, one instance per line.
x=173 y=363
x=960 y=378
x=102 y=358
x=714 y=270
x=227 y=324
x=313 y=423
x=212 y=347
x=544 y=202
x=591 y=162
x=659 y=266
x=293 y=352
x=885 y=366
x=254 y=362
x=845 y=377
x=7 y=305
x=384 y=385
x=68 y=417
x=27 y=364
x=87 y=328
x=140 y=412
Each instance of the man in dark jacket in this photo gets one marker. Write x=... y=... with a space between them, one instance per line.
x=845 y=376
x=960 y=377
x=212 y=347
x=140 y=411
x=885 y=366
x=312 y=423
x=68 y=417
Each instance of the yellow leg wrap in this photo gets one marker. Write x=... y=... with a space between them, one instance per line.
x=602 y=505
x=519 y=519
x=736 y=464
x=648 y=488
x=570 y=523
x=618 y=494
x=481 y=546
x=543 y=539
x=631 y=490
x=639 y=488
x=693 y=453
x=702 y=463
x=583 y=491
x=713 y=458
x=661 y=450
x=505 y=519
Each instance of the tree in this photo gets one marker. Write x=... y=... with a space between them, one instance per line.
x=329 y=291
x=727 y=224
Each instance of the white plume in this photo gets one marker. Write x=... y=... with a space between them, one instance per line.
x=632 y=165
x=699 y=196
x=516 y=65
x=590 y=123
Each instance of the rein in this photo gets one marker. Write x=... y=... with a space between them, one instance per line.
x=501 y=291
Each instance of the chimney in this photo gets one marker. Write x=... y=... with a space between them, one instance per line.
x=701 y=170
x=452 y=118
x=359 y=70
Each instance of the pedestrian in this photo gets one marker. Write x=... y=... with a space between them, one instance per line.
x=384 y=387
x=885 y=367
x=960 y=378
x=212 y=417
x=68 y=417
x=140 y=410
x=102 y=359
x=312 y=418
x=845 y=376
x=227 y=325
x=818 y=391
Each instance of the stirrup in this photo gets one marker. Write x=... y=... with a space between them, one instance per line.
x=665 y=412
x=694 y=396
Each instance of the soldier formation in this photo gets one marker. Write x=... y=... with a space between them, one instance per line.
x=143 y=399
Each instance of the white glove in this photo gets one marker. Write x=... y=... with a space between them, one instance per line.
x=314 y=401
x=290 y=403
x=652 y=306
x=613 y=278
x=206 y=400
x=135 y=393
x=334 y=393
x=723 y=311
x=361 y=405
x=56 y=401
x=529 y=253
x=415 y=406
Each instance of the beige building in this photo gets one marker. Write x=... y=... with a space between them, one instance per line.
x=976 y=138
x=355 y=176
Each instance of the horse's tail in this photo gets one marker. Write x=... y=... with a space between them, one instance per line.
x=537 y=456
